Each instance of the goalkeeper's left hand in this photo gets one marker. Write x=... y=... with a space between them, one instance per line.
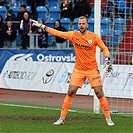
x=108 y=64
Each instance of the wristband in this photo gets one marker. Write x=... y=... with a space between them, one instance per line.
x=107 y=58
x=43 y=27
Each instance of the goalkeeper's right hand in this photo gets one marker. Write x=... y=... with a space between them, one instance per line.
x=35 y=23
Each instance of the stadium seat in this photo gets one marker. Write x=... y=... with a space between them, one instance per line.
x=121 y=5
x=50 y=40
x=54 y=12
x=42 y=12
x=91 y=24
x=24 y=2
x=92 y=12
x=14 y=3
x=119 y=24
x=17 y=2
x=52 y=3
x=75 y=24
x=117 y=37
x=15 y=10
x=105 y=37
x=3 y=12
x=28 y=8
x=122 y=8
x=50 y=22
x=128 y=12
x=38 y=19
x=111 y=38
x=106 y=24
x=66 y=23
x=18 y=39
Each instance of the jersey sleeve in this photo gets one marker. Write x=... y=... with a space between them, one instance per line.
x=66 y=35
x=102 y=46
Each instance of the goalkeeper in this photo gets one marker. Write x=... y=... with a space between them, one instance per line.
x=84 y=43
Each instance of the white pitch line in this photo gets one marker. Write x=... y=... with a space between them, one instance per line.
x=36 y=107
x=46 y=108
x=25 y=106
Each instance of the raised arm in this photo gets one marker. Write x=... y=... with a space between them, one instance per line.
x=65 y=35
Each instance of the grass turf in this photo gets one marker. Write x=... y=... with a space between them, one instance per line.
x=25 y=119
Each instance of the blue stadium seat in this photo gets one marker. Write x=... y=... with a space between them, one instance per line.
x=91 y=24
x=17 y=3
x=15 y=10
x=121 y=5
x=3 y=12
x=119 y=29
x=103 y=32
x=117 y=37
x=52 y=3
x=105 y=37
x=106 y=24
x=66 y=23
x=42 y=12
x=28 y=8
x=111 y=38
x=122 y=8
x=50 y=39
x=128 y=12
x=38 y=19
x=18 y=39
x=50 y=22
x=119 y=24
x=75 y=24
x=24 y=2
x=92 y=12
x=54 y=12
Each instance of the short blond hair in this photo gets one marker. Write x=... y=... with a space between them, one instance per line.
x=83 y=17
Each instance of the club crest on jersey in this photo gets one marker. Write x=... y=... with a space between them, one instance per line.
x=90 y=41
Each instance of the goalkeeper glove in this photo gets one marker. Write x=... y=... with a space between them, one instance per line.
x=108 y=64
x=35 y=23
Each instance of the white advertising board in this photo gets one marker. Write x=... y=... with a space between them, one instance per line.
x=55 y=77
x=38 y=76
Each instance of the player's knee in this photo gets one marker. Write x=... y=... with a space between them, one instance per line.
x=72 y=90
x=99 y=92
x=71 y=93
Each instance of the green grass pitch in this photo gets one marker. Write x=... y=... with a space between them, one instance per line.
x=23 y=118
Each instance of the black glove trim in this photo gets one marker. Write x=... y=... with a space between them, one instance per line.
x=107 y=58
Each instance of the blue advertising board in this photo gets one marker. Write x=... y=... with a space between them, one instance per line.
x=40 y=55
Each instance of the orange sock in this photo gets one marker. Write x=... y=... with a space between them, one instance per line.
x=66 y=105
x=104 y=105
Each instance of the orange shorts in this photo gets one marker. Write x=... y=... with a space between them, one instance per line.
x=78 y=78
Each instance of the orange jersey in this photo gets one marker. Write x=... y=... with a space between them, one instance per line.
x=84 y=47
